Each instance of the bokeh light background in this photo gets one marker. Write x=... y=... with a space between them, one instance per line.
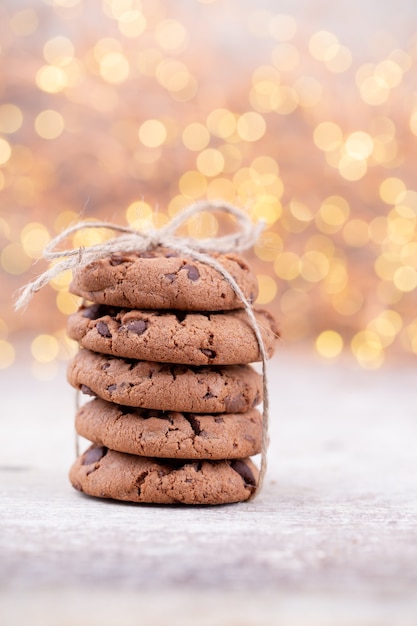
x=302 y=112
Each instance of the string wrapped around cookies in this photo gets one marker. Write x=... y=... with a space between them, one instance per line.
x=166 y=343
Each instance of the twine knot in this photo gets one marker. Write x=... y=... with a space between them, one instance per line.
x=133 y=240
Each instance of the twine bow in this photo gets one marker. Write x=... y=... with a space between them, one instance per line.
x=131 y=240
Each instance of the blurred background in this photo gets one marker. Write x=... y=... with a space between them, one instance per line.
x=302 y=112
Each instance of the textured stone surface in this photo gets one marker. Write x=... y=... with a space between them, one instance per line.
x=332 y=538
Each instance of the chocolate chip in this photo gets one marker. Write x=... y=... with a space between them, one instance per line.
x=93 y=312
x=235 y=404
x=219 y=420
x=137 y=326
x=171 y=277
x=244 y=471
x=192 y=272
x=146 y=254
x=209 y=353
x=103 y=329
x=170 y=255
x=118 y=259
x=208 y=395
x=111 y=388
x=87 y=390
x=94 y=454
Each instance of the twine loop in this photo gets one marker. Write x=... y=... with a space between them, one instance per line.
x=132 y=240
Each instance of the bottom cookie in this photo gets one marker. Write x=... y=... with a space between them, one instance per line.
x=104 y=473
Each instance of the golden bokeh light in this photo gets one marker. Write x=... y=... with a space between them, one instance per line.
x=332 y=214
x=391 y=189
x=131 y=23
x=114 y=67
x=49 y=124
x=356 y=233
x=58 y=51
x=152 y=133
x=130 y=110
x=328 y=136
x=285 y=57
x=221 y=123
x=196 y=136
x=367 y=347
x=14 y=260
x=329 y=344
x=282 y=27
x=267 y=289
x=34 y=238
x=321 y=44
x=11 y=118
x=62 y=281
x=5 y=151
x=51 y=79
x=67 y=303
x=266 y=208
x=45 y=348
x=210 y=162
x=139 y=215
x=314 y=266
x=359 y=145
x=24 y=22
x=171 y=35
x=337 y=58
x=287 y=265
x=203 y=226
x=251 y=126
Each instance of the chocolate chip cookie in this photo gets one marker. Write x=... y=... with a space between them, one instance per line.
x=165 y=386
x=161 y=279
x=211 y=338
x=105 y=473
x=169 y=434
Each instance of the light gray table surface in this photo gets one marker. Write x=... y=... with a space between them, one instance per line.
x=332 y=538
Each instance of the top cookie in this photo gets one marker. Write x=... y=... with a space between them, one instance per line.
x=162 y=279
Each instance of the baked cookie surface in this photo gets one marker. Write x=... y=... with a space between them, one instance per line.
x=161 y=279
x=105 y=473
x=169 y=434
x=225 y=338
x=165 y=386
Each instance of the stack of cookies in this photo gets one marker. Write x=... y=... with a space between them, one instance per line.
x=165 y=352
